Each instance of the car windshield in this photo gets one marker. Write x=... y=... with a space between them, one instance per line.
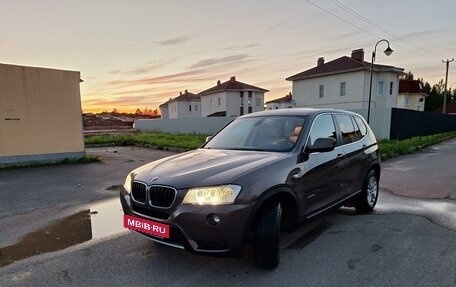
x=272 y=133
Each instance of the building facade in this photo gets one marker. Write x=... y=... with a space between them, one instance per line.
x=40 y=115
x=232 y=99
x=286 y=102
x=186 y=105
x=344 y=83
x=411 y=95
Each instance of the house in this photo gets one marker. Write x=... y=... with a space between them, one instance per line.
x=164 y=112
x=281 y=103
x=186 y=105
x=411 y=95
x=40 y=115
x=344 y=83
x=231 y=98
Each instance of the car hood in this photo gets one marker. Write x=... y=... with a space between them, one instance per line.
x=204 y=167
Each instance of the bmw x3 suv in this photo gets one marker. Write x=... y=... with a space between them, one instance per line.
x=260 y=175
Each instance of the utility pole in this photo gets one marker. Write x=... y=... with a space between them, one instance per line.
x=444 y=110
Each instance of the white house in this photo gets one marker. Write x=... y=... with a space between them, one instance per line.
x=412 y=95
x=231 y=98
x=164 y=112
x=344 y=83
x=280 y=103
x=186 y=105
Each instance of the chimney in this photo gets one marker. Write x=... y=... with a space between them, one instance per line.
x=185 y=92
x=180 y=93
x=218 y=83
x=233 y=79
x=358 y=55
x=320 y=61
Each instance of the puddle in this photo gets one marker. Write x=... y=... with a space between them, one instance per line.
x=95 y=222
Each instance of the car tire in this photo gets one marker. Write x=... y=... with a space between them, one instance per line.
x=369 y=195
x=266 y=250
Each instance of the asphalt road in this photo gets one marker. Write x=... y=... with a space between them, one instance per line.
x=410 y=239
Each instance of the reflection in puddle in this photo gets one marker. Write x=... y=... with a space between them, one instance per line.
x=98 y=221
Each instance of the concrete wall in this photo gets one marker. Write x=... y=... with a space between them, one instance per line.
x=40 y=114
x=205 y=126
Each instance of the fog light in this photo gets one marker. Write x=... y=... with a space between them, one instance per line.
x=213 y=219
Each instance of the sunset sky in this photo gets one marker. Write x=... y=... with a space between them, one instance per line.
x=137 y=54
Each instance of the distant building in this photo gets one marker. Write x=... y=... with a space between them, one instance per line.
x=412 y=95
x=186 y=105
x=164 y=112
x=40 y=115
x=231 y=98
x=344 y=83
x=280 y=103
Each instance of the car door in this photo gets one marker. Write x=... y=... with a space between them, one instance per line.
x=318 y=186
x=351 y=163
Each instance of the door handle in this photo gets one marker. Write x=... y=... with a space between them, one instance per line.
x=339 y=155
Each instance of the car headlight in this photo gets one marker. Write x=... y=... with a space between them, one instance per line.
x=127 y=184
x=212 y=195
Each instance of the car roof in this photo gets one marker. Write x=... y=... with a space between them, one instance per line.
x=295 y=112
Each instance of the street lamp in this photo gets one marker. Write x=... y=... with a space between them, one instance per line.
x=387 y=52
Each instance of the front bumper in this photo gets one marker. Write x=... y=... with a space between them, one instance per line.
x=190 y=228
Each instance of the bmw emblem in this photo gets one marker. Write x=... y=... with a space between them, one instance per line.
x=155 y=178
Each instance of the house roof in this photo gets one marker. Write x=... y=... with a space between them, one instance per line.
x=342 y=65
x=411 y=87
x=183 y=97
x=231 y=85
x=285 y=99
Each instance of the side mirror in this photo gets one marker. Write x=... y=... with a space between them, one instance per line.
x=208 y=138
x=322 y=145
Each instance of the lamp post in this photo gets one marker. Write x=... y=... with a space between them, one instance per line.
x=387 y=52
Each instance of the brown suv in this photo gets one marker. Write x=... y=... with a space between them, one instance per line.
x=258 y=176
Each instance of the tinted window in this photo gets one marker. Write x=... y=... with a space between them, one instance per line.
x=361 y=125
x=323 y=127
x=358 y=134
x=346 y=128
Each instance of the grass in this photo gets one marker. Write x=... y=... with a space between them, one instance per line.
x=393 y=148
x=157 y=140
x=84 y=159
x=388 y=148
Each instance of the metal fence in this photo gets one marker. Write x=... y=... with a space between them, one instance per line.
x=204 y=126
x=408 y=123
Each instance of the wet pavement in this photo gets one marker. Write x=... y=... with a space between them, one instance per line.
x=406 y=241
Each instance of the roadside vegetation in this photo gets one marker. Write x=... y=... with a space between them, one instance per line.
x=154 y=140
x=388 y=148
x=393 y=148
x=85 y=159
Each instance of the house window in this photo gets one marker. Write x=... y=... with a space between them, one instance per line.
x=242 y=99
x=241 y=111
x=321 y=92
x=257 y=102
x=342 y=88
x=196 y=108
x=391 y=88
x=250 y=110
x=250 y=98
x=380 y=90
x=406 y=101
x=189 y=108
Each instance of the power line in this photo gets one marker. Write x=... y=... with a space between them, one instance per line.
x=362 y=29
x=375 y=25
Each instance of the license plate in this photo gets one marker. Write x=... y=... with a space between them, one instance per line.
x=146 y=226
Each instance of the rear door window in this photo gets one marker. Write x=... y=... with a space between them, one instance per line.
x=346 y=129
x=361 y=125
x=323 y=127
